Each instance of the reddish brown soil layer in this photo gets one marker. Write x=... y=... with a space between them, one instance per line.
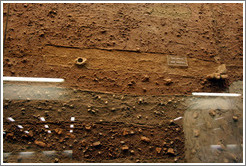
x=205 y=33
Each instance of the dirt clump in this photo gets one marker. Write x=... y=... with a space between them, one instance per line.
x=145 y=78
x=168 y=81
x=220 y=73
x=40 y=143
x=58 y=131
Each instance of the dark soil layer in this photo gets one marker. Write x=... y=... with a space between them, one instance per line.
x=121 y=122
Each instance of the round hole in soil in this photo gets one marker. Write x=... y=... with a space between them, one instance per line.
x=80 y=60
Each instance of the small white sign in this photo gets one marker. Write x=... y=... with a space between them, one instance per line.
x=176 y=60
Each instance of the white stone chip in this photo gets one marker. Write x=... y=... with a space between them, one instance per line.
x=178 y=118
x=19 y=126
x=42 y=119
x=10 y=119
x=27 y=132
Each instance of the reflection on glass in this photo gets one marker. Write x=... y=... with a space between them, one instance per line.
x=211 y=130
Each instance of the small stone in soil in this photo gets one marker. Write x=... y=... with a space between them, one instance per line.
x=193 y=151
x=140 y=101
x=83 y=142
x=98 y=143
x=125 y=148
x=40 y=143
x=122 y=142
x=46 y=113
x=168 y=81
x=158 y=150
x=131 y=83
x=72 y=135
x=56 y=160
x=30 y=133
x=58 y=131
x=212 y=113
x=139 y=116
x=171 y=122
x=235 y=118
x=88 y=127
x=224 y=76
x=195 y=115
x=125 y=132
x=145 y=139
x=196 y=133
x=170 y=151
